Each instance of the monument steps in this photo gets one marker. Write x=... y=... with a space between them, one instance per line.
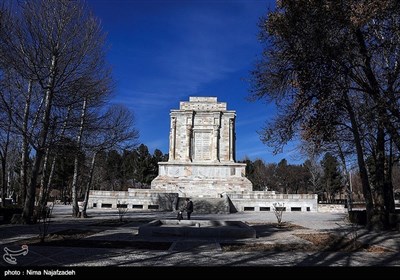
x=206 y=205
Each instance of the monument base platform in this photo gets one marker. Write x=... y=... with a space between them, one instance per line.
x=201 y=180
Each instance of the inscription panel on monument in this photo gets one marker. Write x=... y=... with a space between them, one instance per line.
x=202 y=145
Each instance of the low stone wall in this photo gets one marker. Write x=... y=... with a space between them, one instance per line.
x=148 y=199
x=264 y=201
x=135 y=199
x=332 y=208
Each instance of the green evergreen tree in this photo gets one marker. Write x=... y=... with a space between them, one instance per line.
x=332 y=177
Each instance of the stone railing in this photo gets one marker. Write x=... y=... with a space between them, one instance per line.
x=332 y=208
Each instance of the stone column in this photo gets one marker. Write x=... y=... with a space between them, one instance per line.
x=172 y=140
x=188 y=155
x=214 y=152
x=231 y=140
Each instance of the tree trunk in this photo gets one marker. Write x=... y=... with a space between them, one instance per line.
x=89 y=185
x=380 y=218
x=388 y=185
x=75 y=206
x=42 y=191
x=361 y=163
x=346 y=176
x=374 y=92
x=44 y=187
x=29 y=204
x=4 y=170
x=3 y=180
x=24 y=146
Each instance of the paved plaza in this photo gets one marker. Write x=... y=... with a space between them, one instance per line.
x=193 y=252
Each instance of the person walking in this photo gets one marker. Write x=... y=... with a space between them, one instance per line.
x=189 y=207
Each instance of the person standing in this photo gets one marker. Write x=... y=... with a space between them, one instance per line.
x=189 y=207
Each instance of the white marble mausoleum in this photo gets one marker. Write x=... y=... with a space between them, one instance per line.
x=202 y=151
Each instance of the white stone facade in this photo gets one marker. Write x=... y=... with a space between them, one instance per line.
x=202 y=130
x=202 y=151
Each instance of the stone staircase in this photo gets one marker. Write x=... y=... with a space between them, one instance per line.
x=207 y=205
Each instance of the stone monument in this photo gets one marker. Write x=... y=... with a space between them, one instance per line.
x=202 y=152
x=202 y=166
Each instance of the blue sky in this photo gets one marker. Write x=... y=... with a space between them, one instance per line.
x=163 y=51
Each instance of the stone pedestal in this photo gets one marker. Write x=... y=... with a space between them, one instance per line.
x=201 y=179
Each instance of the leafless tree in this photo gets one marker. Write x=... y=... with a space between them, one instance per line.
x=332 y=68
x=55 y=49
x=114 y=129
x=278 y=208
x=313 y=154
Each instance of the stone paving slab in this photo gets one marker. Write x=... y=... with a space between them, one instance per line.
x=200 y=252
x=210 y=247
x=205 y=257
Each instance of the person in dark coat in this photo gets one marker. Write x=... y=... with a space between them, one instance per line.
x=189 y=207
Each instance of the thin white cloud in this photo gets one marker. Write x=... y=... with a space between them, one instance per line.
x=142 y=99
x=207 y=45
x=192 y=48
